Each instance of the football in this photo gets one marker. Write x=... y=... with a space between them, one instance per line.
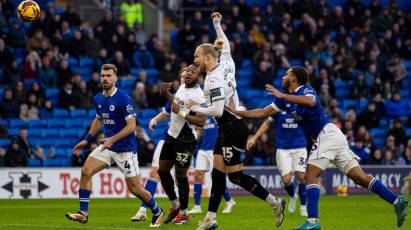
x=342 y=190
x=28 y=11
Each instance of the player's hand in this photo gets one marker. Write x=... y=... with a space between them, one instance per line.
x=107 y=143
x=251 y=143
x=165 y=87
x=273 y=91
x=191 y=104
x=153 y=122
x=76 y=150
x=175 y=108
x=230 y=107
x=216 y=16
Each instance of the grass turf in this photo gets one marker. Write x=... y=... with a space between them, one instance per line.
x=352 y=212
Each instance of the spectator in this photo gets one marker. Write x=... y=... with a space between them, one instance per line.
x=71 y=16
x=139 y=96
x=6 y=54
x=39 y=92
x=4 y=133
x=2 y=157
x=359 y=88
x=388 y=158
x=12 y=75
x=399 y=69
x=143 y=59
x=359 y=150
x=375 y=159
x=154 y=99
x=16 y=37
x=15 y=156
x=64 y=73
x=30 y=110
x=407 y=153
x=67 y=99
x=47 y=75
x=123 y=66
x=23 y=142
x=263 y=76
x=20 y=93
x=101 y=60
x=9 y=107
x=37 y=42
x=370 y=117
x=167 y=74
x=132 y=11
x=94 y=84
x=46 y=112
x=140 y=35
x=145 y=149
x=84 y=96
x=398 y=132
x=77 y=45
x=187 y=38
x=396 y=107
x=92 y=45
x=32 y=64
x=40 y=154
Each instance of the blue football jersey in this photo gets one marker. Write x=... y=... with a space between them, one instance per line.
x=209 y=136
x=312 y=120
x=115 y=110
x=288 y=133
x=166 y=109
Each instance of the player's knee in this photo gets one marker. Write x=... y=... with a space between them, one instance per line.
x=181 y=172
x=235 y=177
x=154 y=173
x=310 y=179
x=300 y=177
x=362 y=180
x=199 y=176
x=286 y=179
x=86 y=172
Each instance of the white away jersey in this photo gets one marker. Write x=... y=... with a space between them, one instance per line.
x=220 y=84
x=180 y=128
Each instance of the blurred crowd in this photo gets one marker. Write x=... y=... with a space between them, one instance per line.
x=362 y=46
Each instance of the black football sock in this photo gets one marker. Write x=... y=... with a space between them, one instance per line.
x=217 y=189
x=248 y=183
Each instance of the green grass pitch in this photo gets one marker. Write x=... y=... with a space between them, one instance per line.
x=352 y=212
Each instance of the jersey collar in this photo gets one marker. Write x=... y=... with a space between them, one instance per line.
x=298 y=88
x=215 y=67
x=114 y=92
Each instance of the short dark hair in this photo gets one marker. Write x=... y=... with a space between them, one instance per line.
x=109 y=67
x=301 y=74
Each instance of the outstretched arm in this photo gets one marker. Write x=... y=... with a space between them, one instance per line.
x=214 y=110
x=255 y=113
x=216 y=16
x=303 y=100
x=261 y=130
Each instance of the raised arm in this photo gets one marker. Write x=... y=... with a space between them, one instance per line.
x=216 y=16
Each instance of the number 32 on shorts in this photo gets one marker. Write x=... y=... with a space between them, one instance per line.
x=182 y=157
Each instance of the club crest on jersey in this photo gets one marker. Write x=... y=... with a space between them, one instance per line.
x=112 y=108
x=130 y=109
x=99 y=106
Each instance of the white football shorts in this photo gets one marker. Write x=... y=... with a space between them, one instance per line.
x=156 y=157
x=204 y=161
x=332 y=146
x=291 y=160
x=127 y=162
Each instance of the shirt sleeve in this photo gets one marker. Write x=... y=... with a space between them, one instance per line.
x=310 y=92
x=167 y=108
x=97 y=107
x=278 y=105
x=129 y=111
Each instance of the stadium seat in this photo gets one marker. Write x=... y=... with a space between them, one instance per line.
x=52 y=162
x=348 y=103
x=408 y=132
x=72 y=61
x=4 y=122
x=148 y=113
x=52 y=92
x=173 y=38
x=379 y=141
x=61 y=152
x=65 y=162
x=341 y=93
x=13 y=131
x=78 y=113
x=48 y=133
x=44 y=142
x=55 y=123
x=383 y=123
x=35 y=132
x=127 y=83
x=244 y=82
x=258 y=161
x=17 y=123
x=244 y=74
x=36 y=123
x=70 y=133
x=247 y=63
x=296 y=62
x=86 y=61
x=5 y=143
x=35 y=162
x=362 y=104
x=376 y=132
x=60 y=113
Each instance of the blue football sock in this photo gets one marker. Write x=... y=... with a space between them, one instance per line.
x=290 y=189
x=227 y=195
x=198 y=189
x=302 y=193
x=152 y=204
x=151 y=187
x=377 y=187
x=84 y=196
x=313 y=196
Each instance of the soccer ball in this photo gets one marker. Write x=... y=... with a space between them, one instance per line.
x=28 y=11
x=342 y=190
